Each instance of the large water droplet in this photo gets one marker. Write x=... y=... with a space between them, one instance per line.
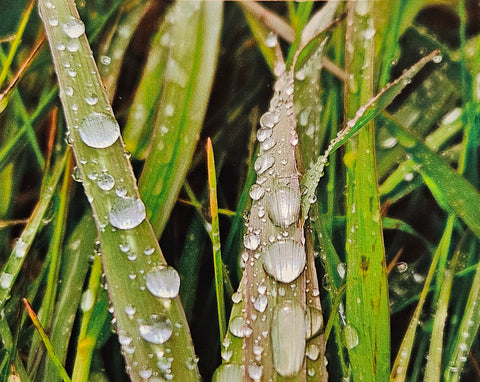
x=99 y=130
x=284 y=206
x=284 y=260
x=268 y=120
x=157 y=329
x=228 y=373
x=263 y=163
x=288 y=338
x=127 y=213
x=163 y=282
x=74 y=27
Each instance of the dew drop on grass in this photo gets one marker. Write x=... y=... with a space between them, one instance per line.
x=74 y=27
x=284 y=260
x=130 y=310
x=105 y=60
x=268 y=120
x=313 y=322
x=156 y=330
x=341 y=270
x=268 y=143
x=99 y=130
x=91 y=100
x=228 y=373
x=389 y=143
x=251 y=241
x=149 y=251
x=271 y=40
x=123 y=338
x=312 y=352
x=260 y=303
x=237 y=327
x=105 y=182
x=6 y=280
x=255 y=372
x=288 y=338
x=127 y=213
x=263 y=163
x=87 y=300
x=163 y=282
x=20 y=248
x=350 y=336
x=256 y=192
x=263 y=134
x=145 y=373
x=53 y=21
x=284 y=206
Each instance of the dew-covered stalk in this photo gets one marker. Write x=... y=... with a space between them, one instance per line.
x=280 y=319
x=150 y=322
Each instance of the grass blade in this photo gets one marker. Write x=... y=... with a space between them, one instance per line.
x=130 y=251
x=215 y=236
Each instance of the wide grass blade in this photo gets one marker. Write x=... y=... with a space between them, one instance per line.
x=143 y=290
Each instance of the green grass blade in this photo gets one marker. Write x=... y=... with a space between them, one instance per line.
x=148 y=312
x=215 y=237
x=450 y=189
x=14 y=264
x=181 y=112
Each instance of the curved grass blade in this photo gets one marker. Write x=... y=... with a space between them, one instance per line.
x=144 y=291
x=188 y=80
x=364 y=115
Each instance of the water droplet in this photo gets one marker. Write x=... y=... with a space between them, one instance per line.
x=157 y=329
x=145 y=373
x=74 y=28
x=53 y=21
x=105 y=60
x=402 y=267
x=127 y=213
x=312 y=352
x=284 y=260
x=288 y=338
x=313 y=322
x=61 y=46
x=260 y=303
x=263 y=163
x=271 y=40
x=389 y=143
x=408 y=177
x=237 y=327
x=228 y=373
x=256 y=192
x=6 y=280
x=99 y=130
x=169 y=110
x=149 y=251
x=87 y=300
x=300 y=75
x=284 y=206
x=123 y=338
x=163 y=282
x=255 y=372
x=105 y=181
x=251 y=241
x=130 y=310
x=73 y=46
x=268 y=120
x=350 y=336
x=91 y=100
x=77 y=174
x=263 y=134
x=437 y=59
x=237 y=297
x=341 y=270
x=268 y=143
x=20 y=248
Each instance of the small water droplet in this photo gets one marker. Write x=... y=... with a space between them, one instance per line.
x=237 y=297
x=169 y=110
x=268 y=143
x=268 y=120
x=389 y=143
x=260 y=303
x=156 y=330
x=402 y=267
x=6 y=280
x=53 y=21
x=73 y=46
x=284 y=260
x=20 y=248
x=251 y=241
x=341 y=270
x=271 y=40
x=130 y=310
x=237 y=327
x=149 y=251
x=87 y=300
x=92 y=99
x=284 y=206
x=105 y=182
x=105 y=60
x=99 y=130
x=145 y=373
x=61 y=46
x=163 y=282
x=127 y=213
x=74 y=27
x=408 y=177
x=288 y=338
x=255 y=372
x=256 y=192
x=312 y=352
x=437 y=59
x=350 y=337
